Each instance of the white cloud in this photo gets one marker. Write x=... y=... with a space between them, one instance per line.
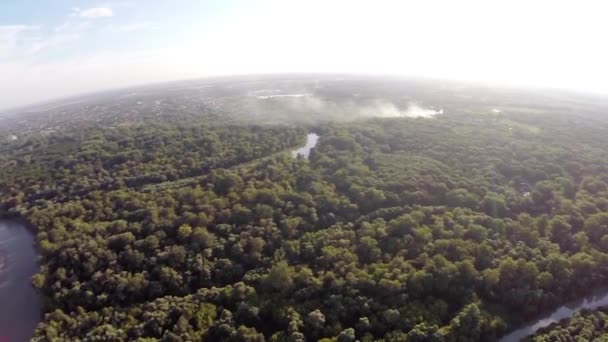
x=131 y=27
x=54 y=40
x=23 y=43
x=94 y=12
x=9 y=38
x=31 y=82
x=8 y=32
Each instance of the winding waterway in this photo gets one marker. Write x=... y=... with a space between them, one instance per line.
x=20 y=305
x=304 y=151
x=593 y=301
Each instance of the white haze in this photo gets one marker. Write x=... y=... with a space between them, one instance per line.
x=264 y=97
x=548 y=43
x=346 y=109
x=385 y=109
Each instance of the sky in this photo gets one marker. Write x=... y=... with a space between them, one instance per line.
x=58 y=48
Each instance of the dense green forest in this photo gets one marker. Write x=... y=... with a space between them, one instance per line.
x=453 y=228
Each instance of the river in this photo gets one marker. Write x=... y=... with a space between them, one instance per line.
x=304 y=151
x=593 y=301
x=20 y=304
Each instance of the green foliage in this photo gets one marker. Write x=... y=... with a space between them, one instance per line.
x=446 y=229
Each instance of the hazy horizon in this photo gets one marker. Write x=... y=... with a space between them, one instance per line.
x=50 y=51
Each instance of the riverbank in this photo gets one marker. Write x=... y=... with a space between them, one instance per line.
x=17 y=217
x=598 y=298
x=586 y=325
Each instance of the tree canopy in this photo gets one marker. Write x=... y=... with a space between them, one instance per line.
x=455 y=228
